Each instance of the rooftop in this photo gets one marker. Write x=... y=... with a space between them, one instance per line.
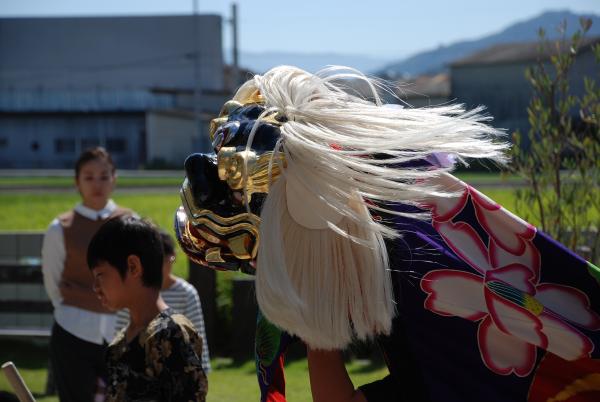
x=425 y=85
x=517 y=52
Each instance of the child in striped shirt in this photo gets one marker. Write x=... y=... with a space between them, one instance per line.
x=178 y=294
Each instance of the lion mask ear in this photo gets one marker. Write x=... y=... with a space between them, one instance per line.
x=308 y=207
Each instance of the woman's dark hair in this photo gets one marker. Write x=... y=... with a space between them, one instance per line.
x=167 y=243
x=90 y=154
x=123 y=236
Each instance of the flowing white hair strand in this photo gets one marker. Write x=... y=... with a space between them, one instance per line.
x=346 y=154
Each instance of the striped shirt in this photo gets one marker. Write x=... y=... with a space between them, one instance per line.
x=182 y=298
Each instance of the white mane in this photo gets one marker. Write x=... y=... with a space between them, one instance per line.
x=330 y=282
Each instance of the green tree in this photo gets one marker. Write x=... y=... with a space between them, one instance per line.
x=560 y=155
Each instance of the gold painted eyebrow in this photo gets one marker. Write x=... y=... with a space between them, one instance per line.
x=231 y=165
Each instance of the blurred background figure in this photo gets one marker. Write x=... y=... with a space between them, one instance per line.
x=82 y=326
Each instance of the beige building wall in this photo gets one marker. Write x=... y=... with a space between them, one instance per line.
x=171 y=136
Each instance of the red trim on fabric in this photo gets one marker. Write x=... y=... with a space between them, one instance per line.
x=467 y=230
x=594 y=322
x=276 y=392
x=555 y=375
x=486 y=356
x=526 y=281
x=452 y=212
x=532 y=262
x=433 y=276
x=491 y=298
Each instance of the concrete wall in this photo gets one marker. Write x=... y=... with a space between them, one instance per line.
x=172 y=136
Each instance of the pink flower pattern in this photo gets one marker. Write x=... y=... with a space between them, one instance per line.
x=516 y=312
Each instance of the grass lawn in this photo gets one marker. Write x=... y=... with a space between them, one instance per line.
x=478 y=178
x=483 y=178
x=227 y=382
x=34 y=211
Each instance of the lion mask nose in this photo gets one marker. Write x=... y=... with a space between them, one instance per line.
x=207 y=189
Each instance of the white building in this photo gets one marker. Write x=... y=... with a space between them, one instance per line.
x=495 y=77
x=70 y=83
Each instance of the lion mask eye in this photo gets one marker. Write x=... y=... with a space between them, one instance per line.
x=224 y=134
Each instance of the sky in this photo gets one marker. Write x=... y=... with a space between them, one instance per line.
x=373 y=28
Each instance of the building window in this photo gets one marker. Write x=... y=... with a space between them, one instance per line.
x=64 y=145
x=116 y=145
x=87 y=143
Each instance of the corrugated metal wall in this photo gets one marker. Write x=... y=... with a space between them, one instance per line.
x=55 y=140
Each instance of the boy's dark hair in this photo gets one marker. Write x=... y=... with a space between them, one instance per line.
x=90 y=154
x=123 y=236
x=167 y=243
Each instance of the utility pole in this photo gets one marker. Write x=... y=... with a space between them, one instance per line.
x=235 y=72
x=197 y=84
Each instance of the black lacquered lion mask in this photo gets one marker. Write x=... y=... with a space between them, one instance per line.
x=223 y=193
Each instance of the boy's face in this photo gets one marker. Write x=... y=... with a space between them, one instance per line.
x=110 y=288
x=95 y=183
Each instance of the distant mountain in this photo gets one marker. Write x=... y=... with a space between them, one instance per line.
x=261 y=62
x=437 y=60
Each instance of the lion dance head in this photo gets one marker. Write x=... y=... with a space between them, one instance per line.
x=300 y=162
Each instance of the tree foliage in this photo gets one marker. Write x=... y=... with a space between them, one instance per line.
x=560 y=155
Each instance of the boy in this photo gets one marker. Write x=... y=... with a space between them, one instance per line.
x=181 y=296
x=158 y=356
